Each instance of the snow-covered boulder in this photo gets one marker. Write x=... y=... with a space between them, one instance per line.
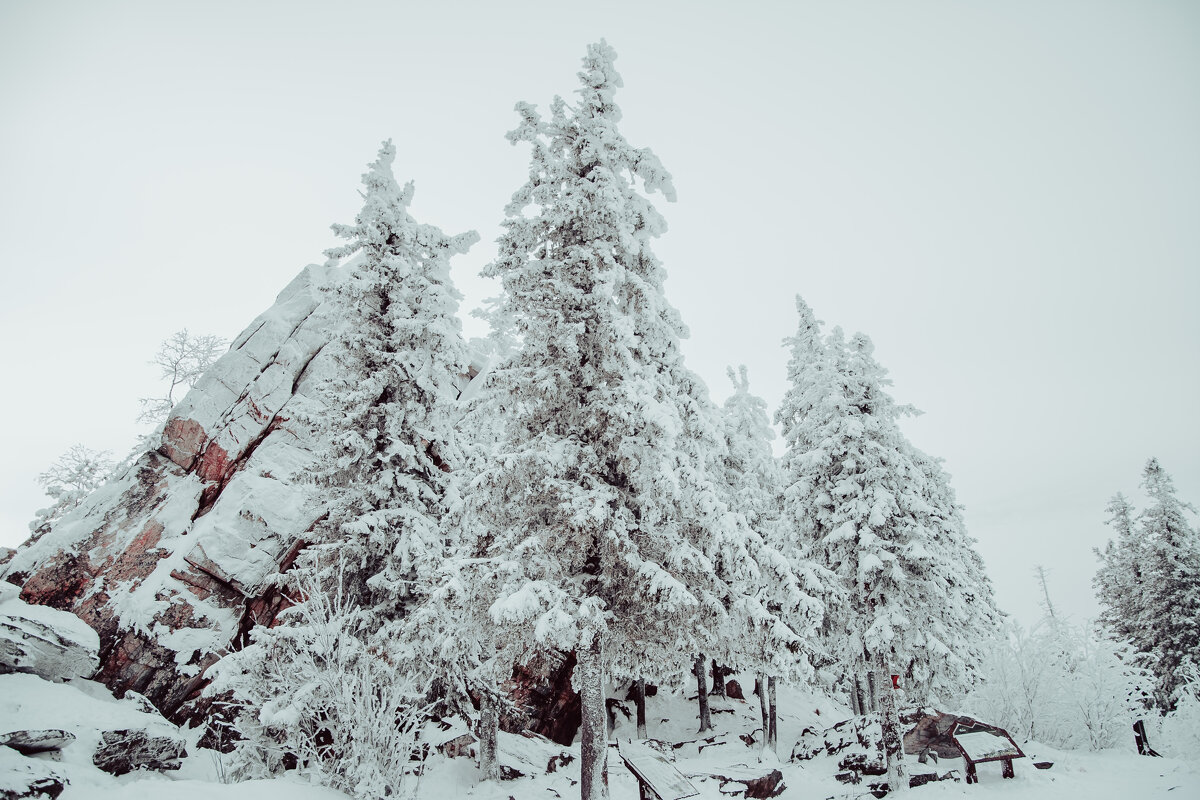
x=129 y=749
x=22 y=777
x=56 y=645
x=29 y=743
x=857 y=743
x=86 y=724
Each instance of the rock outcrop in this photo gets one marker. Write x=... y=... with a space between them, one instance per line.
x=171 y=561
x=30 y=743
x=22 y=777
x=123 y=751
x=543 y=700
x=858 y=745
x=80 y=722
x=52 y=644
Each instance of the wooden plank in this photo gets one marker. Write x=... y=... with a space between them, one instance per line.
x=655 y=772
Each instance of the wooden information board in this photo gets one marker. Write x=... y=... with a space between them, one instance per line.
x=654 y=773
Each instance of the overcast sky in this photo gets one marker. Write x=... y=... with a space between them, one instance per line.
x=1004 y=196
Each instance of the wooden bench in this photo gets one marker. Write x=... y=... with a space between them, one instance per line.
x=657 y=778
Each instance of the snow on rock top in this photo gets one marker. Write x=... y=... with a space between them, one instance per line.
x=52 y=644
x=170 y=561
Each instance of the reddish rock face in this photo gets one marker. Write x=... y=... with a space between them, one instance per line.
x=214 y=465
x=551 y=707
x=170 y=562
x=58 y=583
x=183 y=440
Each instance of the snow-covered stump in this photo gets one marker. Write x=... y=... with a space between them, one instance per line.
x=593 y=740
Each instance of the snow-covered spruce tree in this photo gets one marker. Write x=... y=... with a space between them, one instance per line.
x=865 y=504
x=785 y=586
x=387 y=429
x=381 y=474
x=1119 y=582
x=600 y=528
x=957 y=615
x=1149 y=584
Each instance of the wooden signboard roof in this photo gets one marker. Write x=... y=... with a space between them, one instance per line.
x=655 y=772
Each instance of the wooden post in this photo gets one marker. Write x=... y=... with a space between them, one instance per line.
x=1006 y=769
x=1142 y=741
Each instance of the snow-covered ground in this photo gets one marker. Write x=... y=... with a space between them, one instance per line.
x=27 y=702
x=1095 y=775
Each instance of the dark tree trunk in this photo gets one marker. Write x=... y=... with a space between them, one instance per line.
x=773 y=735
x=760 y=689
x=858 y=697
x=702 y=691
x=718 y=674
x=639 y=701
x=593 y=742
x=893 y=736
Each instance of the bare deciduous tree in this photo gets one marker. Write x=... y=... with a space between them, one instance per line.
x=182 y=359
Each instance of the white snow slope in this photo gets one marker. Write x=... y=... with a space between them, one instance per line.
x=1107 y=775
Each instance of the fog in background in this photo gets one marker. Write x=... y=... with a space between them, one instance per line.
x=1004 y=197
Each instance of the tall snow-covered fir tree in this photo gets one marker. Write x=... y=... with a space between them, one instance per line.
x=600 y=528
x=390 y=411
x=787 y=585
x=1149 y=584
x=383 y=435
x=1120 y=580
x=958 y=619
x=910 y=593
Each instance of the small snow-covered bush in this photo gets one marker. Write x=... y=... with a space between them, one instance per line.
x=313 y=696
x=1061 y=685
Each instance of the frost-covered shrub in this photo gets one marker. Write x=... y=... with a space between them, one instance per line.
x=1062 y=686
x=312 y=695
x=1178 y=733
